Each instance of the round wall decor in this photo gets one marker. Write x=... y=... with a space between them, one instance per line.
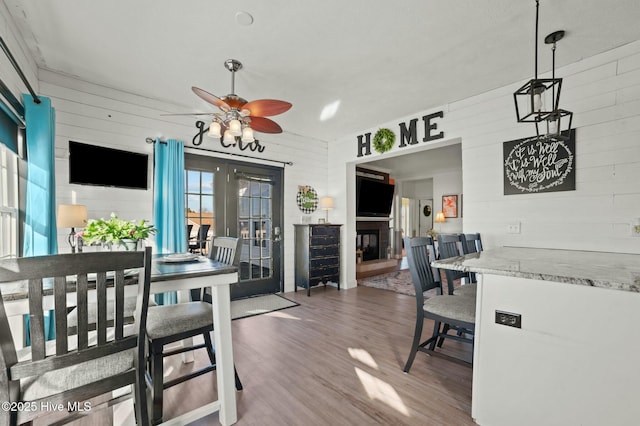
x=383 y=140
x=307 y=199
x=426 y=211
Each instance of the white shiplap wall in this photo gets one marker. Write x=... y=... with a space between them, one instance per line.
x=604 y=93
x=99 y=115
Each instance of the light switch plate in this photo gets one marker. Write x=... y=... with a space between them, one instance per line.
x=513 y=228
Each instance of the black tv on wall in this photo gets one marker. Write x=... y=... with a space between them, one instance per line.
x=373 y=198
x=101 y=166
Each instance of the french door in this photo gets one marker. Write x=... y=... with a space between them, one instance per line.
x=243 y=200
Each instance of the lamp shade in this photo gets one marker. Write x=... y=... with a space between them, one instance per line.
x=214 y=130
x=72 y=216
x=326 y=203
x=247 y=135
x=235 y=127
x=440 y=218
x=228 y=137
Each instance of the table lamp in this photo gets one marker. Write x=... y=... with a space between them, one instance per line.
x=440 y=218
x=72 y=216
x=326 y=204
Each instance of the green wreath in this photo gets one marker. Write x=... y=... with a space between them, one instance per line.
x=383 y=140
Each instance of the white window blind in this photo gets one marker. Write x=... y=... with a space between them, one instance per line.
x=8 y=203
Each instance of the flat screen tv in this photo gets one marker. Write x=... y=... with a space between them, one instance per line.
x=373 y=198
x=101 y=166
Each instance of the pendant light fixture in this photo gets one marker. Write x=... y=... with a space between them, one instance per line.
x=539 y=97
x=558 y=123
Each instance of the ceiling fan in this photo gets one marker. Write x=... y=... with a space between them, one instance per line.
x=238 y=117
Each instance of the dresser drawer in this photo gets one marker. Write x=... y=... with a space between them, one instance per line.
x=323 y=262
x=324 y=251
x=324 y=240
x=321 y=274
x=332 y=231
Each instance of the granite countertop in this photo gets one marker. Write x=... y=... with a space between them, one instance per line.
x=617 y=271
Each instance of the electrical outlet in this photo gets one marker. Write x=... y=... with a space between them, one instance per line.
x=513 y=228
x=509 y=318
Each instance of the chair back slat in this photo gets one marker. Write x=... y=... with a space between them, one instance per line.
x=449 y=246
x=471 y=243
x=118 y=316
x=60 y=298
x=226 y=250
x=101 y=308
x=83 y=311
x=36 y=319
x=419 y=265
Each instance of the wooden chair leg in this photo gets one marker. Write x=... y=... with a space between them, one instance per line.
x=445 y=330
x=212 y=358
x=209 y=344
x=416 y=342
x=436 y=331
x=238 y=382
x=157 y=376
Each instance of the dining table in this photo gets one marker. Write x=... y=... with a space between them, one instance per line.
x=169 y=274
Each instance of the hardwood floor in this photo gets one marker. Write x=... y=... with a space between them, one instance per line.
x=335 y=359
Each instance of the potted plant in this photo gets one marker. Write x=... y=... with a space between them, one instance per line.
x=117 y=231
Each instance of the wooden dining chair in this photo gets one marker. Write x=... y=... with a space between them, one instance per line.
x=172 y=323
x=199 y=243
x=449 y=313
x=471 y=243
x=73 y=368
x=449 y=246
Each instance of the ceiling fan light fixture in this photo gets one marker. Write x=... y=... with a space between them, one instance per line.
x=214 y=130
x=247 y=135
x=228 y=137
x=235 y=127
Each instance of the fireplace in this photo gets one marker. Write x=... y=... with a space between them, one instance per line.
x=372 y=239
x=367 y=242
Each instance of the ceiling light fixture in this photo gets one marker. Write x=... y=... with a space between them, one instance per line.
x=239 y=118
x=558 y=123
x=539 y=97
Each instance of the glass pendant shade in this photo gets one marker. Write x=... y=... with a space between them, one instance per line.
x=228 y=137
x=235 y=127
x=537 y=99
x=557 y=124
x=214 y=130
x=247 y=134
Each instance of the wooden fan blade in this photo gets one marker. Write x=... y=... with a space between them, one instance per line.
x=264 y=125
x=212 y=99
x=266 y=107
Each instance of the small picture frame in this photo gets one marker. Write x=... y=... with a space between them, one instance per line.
x=321 y=220
x=450 y=206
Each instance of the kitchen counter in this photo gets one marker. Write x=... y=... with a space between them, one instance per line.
x=571 y=356
x=617 y=271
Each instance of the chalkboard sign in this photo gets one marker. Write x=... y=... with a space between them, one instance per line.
x=539 y=164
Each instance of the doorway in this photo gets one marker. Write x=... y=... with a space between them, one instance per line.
x=243 y=200
x=425 y=214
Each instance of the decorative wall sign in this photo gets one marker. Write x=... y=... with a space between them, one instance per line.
x=307 y=199
x=253 y=146
x=450 y=205
x=383 y=140
x=539 y=164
